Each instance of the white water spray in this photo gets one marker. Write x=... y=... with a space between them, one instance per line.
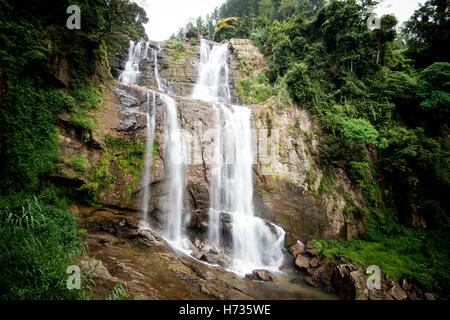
x=212 y=83
x=136 y=52
x=150 y=130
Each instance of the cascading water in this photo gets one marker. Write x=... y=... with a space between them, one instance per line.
x=212 y=83
x=175 y=147
x=175 y=161
x=136 y=52
x=175 y=158
x=255 y=242
x=150 y=130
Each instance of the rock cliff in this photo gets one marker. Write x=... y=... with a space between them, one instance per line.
x=290 y=188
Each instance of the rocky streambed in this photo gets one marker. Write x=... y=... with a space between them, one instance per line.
x=149 y=268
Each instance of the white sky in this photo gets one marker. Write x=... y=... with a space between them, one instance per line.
x=167 y=16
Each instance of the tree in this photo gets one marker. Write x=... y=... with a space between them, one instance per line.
x=434 y=90
x=311 y=7
x=384 y=35
x=427 y=31
x=121 y=14
x=226 y=28
x=266 y=9
x=288 y=7
x=345 y=33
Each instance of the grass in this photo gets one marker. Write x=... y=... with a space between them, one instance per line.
x=119 y=293
x=418 y=255
x=37 y=236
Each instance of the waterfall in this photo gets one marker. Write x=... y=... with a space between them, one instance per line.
x=255 y=243
x=150 y=130
x=175 y=160
x=136 y=53
x=212 y=83
x=175 y=153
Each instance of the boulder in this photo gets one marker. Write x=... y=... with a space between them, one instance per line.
x=290 y=239
x=349 y=282
x=302 y=262
x=397 y=291
x=405 y=285
x=322 y=276
x=429 y=296
x=312 y=252
x=379 y=294
x=193 y=33
x=296 y=249
x=309 y=245
x=314 y=262
x=198 y=243
x=260 y=275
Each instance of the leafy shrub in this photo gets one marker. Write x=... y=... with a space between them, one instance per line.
x=299 y=82
x=193 y=41
x=129 y=162
x=35 y=242
x=87 y=96
x=81 y=121
x=29 y=140
x=357 y=171
x=418 y=255
x=254 y=91
x=119 y=293
x=79 y=163
x=360 y=130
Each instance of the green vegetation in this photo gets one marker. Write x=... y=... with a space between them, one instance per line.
x=381 y=97
x=119 y=157
x=418 y=255
x=119 y=293
x=254 y=91
x=85 y=99
x=36 y=237
x=226 y=28
x=175 y=49
x=79 y=163
x=47 y=69
x=29 y=140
